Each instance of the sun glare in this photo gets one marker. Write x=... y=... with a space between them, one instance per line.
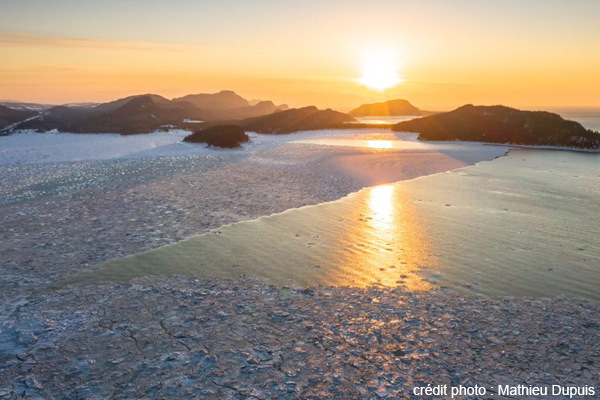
x=380 y=70
x=379 y=144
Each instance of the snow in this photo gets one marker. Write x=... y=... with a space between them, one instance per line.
x=8 y=128
x=25 y=107
x=29 y=147
x=35 y=148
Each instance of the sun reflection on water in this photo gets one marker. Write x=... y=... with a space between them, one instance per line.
x=379 y=144
x=389 y=246
x=381 y=208
x=377 y=122
x=373 y=237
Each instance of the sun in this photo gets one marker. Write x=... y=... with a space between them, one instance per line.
x=379 y=70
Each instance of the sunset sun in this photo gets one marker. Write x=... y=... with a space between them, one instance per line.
x=379 y=70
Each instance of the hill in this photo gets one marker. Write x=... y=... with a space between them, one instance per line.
x=144 y=114
x=227 y=105
x=140 y=115
x=54 y=118
x=392 y=108
x=18 y=105
x=137 y=114
x=224 y=100
x=225 y=136
x=113 y=105
x=10 y=116
x=281 y=107
x=296 y=119
x=257 y=110
x=499 y=124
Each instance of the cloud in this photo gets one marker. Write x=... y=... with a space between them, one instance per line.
x=22 y=40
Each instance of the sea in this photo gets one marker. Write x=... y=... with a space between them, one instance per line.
x=524 y=224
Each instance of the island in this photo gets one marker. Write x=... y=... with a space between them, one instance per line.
x=296 y=119
x=391 y=108
x=224 y=136
x=500 y=124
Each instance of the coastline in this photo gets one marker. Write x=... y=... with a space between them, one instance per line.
x=518 y=146
x=186 y=333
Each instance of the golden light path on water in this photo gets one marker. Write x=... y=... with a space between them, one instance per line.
x=370 y=237
x=378 y=122
x=381 y=205
x=396 y=246
x=379 y=144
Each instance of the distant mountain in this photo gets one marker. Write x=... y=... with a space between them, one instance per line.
x=261 y=108
x=140 y=115
x=10 y=116
x=227 y=105
x=19 y=105
x=499 y=124
x=113 y=105
x=137 y=114
x=88 y=104
x=146 y=113
x=281 y=107
x=296 y=119
x=54 y=118
x=224 y=100
x=392 y=108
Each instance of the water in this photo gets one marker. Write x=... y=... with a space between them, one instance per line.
x=383 y=120
x=523 y=224
x=589 y=118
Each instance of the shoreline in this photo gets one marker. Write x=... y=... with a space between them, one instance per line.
x=317 y=175
x=405 y=160
x=88 y=275
x=518 y=146
x=180 y=336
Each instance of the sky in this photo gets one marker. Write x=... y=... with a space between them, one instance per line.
x=527 y=53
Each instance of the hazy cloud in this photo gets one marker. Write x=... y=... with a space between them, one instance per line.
x=21 y=40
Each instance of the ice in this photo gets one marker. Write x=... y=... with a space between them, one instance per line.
x=29 y=147
x=34 y=148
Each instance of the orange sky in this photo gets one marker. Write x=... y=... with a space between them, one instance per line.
x=533 y=55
